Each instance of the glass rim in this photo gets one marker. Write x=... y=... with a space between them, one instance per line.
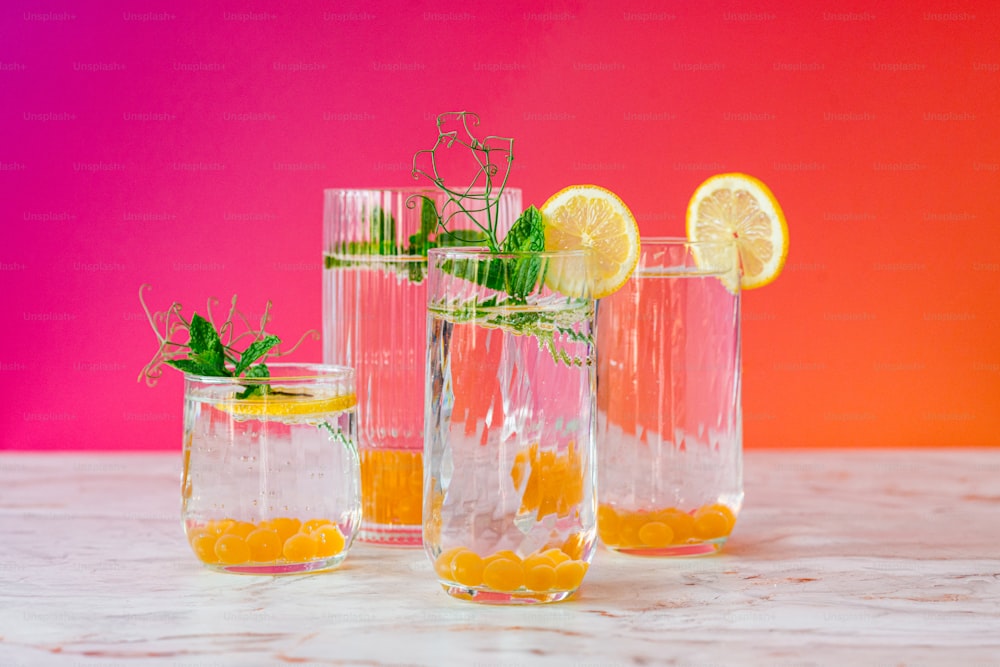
x=483 y=252
x=682 y=240
x=409 y=189
x=308 y=371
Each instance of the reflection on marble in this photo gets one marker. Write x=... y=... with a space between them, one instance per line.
x=839 y=558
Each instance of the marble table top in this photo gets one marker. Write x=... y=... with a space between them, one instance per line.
x=839 y=558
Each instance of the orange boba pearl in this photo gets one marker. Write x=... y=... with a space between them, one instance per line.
x=608 y=525
x=220 y=526
x=539 y=576
x=265 y=545
x=312 y=524
x=569 y=574
x=680 y=522
x=467 y=568
x=504 y=574
x=299 y=548
x=556 y=556
x=241 y=528
x=330 y=541
x=285 y=527
x=710 y=524
x=442 y=564
x=629 y=528
x=232 y=550
x=656 y=534
x=730 y=516
x=203 y=545
x=506 y=554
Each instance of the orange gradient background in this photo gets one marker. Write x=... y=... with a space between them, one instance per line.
x=188 y=148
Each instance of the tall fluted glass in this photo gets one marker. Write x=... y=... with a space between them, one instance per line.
x=374 y=320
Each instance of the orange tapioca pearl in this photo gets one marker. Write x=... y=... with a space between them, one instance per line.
x=241 y=528
x=203 y=544
x=299 y=548
x=442 y=564
x=330 y=541
x=729 y=514
x=467 y=568
x=312 y=524
x=539 y=576
x=265 y=545
x=569 y=574
x=506 y=554
x=556 y=556
x=232 y=550
x=504 y=574
x=629 y=527
x=220 y=526
x=537 y=559
x=680 y=522
x=710 y=524
x=608 y=527
x=656 y=534
x=284 y=526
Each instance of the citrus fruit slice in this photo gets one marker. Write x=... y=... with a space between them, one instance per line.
x=287 y=405
x=741 y=208
x=592 y=218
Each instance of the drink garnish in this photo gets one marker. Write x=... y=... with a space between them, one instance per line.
x=210 y=351
x=737 y=207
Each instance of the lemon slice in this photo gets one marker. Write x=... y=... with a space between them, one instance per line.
x=593 y=218
x=741 y=208
x=284 y=405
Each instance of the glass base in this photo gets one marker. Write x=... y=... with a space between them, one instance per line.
x=274 y=569
x=706 y=548
x=496 y=597
x=392 y=535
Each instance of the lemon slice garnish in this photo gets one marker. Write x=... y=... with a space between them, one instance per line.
x=737 y=207
x=592 y=218
x=283 y=405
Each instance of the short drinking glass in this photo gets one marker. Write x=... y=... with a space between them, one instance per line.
x=271 y=481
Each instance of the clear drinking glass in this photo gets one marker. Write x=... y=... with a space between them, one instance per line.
x=670 y=428
x=271 y=481
x=509 y=504
x=374 y=320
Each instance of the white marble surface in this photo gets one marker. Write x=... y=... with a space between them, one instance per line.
x=839 y=558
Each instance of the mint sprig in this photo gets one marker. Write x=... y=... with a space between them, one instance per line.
x=212 y=352
x=207 y=356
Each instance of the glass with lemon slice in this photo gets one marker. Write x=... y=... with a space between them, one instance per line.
x=271 y=477
x=510 y=465
x=509 y=504
x=670 y=426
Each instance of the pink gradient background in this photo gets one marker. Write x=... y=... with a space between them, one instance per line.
x=876 y=125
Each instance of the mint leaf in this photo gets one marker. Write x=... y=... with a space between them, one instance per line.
x=193 y=367
x=527 y=235
x=517 y=277
x=255 y=351
x=206 y=347
x=258 y=371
